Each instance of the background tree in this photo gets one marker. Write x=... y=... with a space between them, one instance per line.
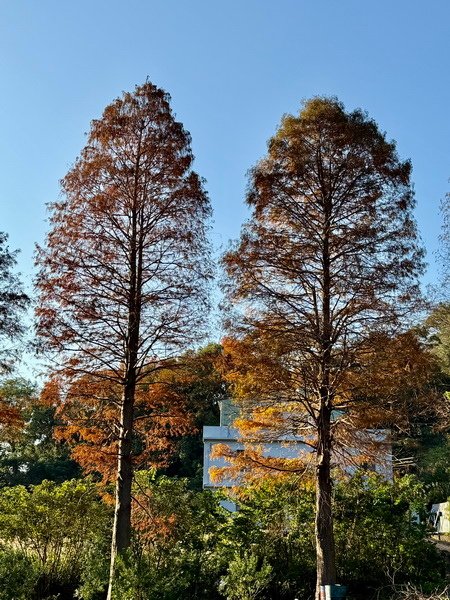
x=427 y=442
x=13 y=302
x=443 y=253
x=328 y=261
x=29 y=453
x=122 y=280
x=203 y=386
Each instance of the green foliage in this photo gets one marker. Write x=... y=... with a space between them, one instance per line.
x=95 y=569
x=437 y=331
x=138 y=577
x=275 y=522
x=175 y=552
x=13 y=303
x=18 y=575
x=246 y=578
x=53 y=525
x=378 y=541
x=30 y=454
x=204 y=389
x=429 y=440
x=179 y=530
x=186 y=546
x=433 y=464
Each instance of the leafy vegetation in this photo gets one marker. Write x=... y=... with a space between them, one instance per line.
x=29 y=452
x=51 y=527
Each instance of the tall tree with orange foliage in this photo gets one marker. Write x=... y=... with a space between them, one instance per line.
x=326 y=267
x=123 y=275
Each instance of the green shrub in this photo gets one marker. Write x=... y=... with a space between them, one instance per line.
x=18 y=575
x=275 y=521
x=95 y=569
x=247 y=577
x=175 y=551
x=54 y=525
x=378 y=540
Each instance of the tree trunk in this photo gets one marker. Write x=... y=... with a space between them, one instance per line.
x=121 y=536
x=325 y=553
x=122 y=513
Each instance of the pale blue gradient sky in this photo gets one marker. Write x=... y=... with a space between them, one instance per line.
x=232 y=68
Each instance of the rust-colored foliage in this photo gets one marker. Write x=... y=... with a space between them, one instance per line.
x=390 y=385
x=11 y=420
x=155 y=524
x=90 y=415
x=17 y=398
x=128 y=234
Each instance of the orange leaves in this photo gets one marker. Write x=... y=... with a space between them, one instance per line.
x=51 y=393
x=391 y=382
x=16 y=399
x=250 y=366
x=252 y=462
x=90 y=415
x=328 y=258
x=129 y=239
x=10 y=417
x=150 y=520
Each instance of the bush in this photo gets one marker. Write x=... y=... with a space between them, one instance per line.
x=18 y=575
x=53 y=526
x=247 y=577
x=378 y=542
x=186 y=546
x=410 y=592
x=175 y=551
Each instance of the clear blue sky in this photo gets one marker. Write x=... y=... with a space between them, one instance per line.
x=232 y=68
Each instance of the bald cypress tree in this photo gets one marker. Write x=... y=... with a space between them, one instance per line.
x=326 y=266
x=123 y=274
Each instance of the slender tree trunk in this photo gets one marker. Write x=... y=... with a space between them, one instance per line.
x=325 y=553
x=121 y=535
x=122 y=513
